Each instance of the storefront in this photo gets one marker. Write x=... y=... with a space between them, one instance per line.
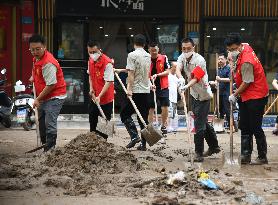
x=113 y=23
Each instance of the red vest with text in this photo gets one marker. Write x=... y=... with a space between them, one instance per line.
x=258 y=88
x=160 y=61
x=60 y=86
x=96 y=70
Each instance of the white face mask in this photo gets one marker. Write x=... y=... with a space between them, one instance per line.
x=95 y=56
x=188 y=54
x=234 y=54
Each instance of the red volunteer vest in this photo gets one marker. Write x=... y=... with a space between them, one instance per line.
x=160 y=61
x=258 y=88
x=96 y=70
x=60 y=86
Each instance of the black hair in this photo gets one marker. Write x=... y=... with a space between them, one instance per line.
x=37 y=38
x=92 y=43
x=233 y=38
x=188 y=40
x=139 y=40
x=153 y=44
x=223 y=54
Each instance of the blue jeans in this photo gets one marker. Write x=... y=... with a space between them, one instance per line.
x=48 y=113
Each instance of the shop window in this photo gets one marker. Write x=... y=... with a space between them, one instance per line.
x=74 y=78
x=262 y=36
x=71 y=44
x=168 y=39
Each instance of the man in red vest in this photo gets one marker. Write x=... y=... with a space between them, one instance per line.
x=50 y=88
x=252 y=90
x=101 y=80
x=159 y=74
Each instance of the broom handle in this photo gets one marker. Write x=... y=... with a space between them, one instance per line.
x=188 y=126
x=231 y=117
x=131 y=100
x=36 y=118
x=155 y=103
x=217 y=86
x=269 y=108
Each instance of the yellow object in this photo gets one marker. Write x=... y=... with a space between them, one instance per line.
x=203 y=175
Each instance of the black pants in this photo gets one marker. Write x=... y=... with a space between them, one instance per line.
x=251 y=116
x=224 y=107
x=94 y=113
x=142 y=103
x=203 y=129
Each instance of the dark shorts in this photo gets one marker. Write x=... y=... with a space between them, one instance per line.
x=162 y=98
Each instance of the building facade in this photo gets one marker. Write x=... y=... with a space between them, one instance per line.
x=68 y=25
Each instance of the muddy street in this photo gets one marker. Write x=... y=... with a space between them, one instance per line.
x=85 y=169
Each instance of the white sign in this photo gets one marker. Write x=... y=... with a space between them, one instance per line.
x=123 y=5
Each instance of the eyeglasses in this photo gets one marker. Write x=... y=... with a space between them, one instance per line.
x=33 y=50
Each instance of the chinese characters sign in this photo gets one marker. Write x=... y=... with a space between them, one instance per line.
x=123 y=5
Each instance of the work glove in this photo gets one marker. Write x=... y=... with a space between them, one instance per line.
x=183 y=88
x=232 y=99
x=181 y=82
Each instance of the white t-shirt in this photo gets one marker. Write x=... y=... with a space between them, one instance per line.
x=173 y=87
x=140 y=62
x=201 y=90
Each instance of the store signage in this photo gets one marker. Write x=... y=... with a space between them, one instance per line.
x=123 y=8
x=124 y=5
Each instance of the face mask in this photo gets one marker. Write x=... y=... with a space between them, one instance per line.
x=234 y=54
x=95 y=56
x=188 y=54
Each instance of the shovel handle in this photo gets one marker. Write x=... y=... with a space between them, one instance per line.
x=36 y=117
x=269 y=108
x=131 y=100
x=99 y=108
x=155 y=103
x=231 y=118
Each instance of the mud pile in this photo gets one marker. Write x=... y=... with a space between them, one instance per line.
x=89 y=153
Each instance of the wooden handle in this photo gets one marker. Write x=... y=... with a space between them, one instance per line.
x=99 y=108
x=131 y=100
x=155 y=103
x=269 y=108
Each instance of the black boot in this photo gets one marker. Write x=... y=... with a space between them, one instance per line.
x=43 y=139
x=262 y=150
x=133 y=133
x=246 y=148
x=50 y=142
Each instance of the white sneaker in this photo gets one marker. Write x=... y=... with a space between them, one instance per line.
x=162 y=141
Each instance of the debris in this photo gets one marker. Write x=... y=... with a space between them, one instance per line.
x=252 y=198
x=174 y=178
x=164 y=200
x=204 y=179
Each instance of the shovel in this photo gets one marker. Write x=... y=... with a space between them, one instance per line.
x=155 y=106
x=105 y=128
x=231 y=158
x=272 y=104
x=37 y=127
x=151 y=135
x=188 y=127
x=218 y=124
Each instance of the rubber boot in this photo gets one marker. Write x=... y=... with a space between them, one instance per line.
x=246 y=148
x=50 y=142
x=262 y=151
x=133 y=133
x=43 y=139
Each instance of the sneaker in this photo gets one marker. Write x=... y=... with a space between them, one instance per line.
x=133 y=142
x=260 y=161
x=141 y=148
x=164 y=131
x=210 y=152
x=245 y=159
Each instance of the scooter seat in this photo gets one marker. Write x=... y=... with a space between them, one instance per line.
x=23 y=96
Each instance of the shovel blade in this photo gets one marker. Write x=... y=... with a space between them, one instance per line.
x=231 y=160
x=105 y=127
x=151 y=135
x=36 y=149
x=218 y=125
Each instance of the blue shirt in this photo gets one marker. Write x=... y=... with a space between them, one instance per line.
x=224 y=87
